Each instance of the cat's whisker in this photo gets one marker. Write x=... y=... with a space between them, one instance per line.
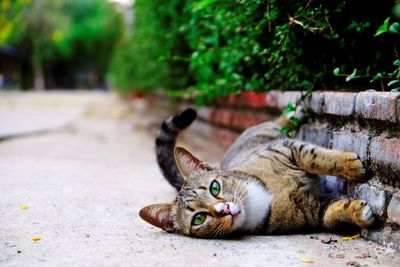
x=244 y=191
x=235 y=192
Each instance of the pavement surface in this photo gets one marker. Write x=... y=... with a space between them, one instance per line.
x=75 y=168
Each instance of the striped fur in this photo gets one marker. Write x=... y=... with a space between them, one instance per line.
x=165 y=143
x=266 y=185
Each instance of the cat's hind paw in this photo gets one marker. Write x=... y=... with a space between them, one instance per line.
x=364 y=216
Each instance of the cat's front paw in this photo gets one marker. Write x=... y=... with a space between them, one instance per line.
x=352 y=167
x=362 y=212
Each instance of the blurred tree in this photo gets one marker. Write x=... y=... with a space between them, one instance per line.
x=62 y=37
x=136 y=65
x=154 y=55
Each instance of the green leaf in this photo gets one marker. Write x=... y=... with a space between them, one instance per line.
x=336 y=72
x=377 y=77
x=204 y=4
x=392 y=82
x=383 y=28
x=352 y=76
x=289 y=108
x=295 y=121
x=395 y=27
x=396 y=62
x=395 y=90
x=286 y=130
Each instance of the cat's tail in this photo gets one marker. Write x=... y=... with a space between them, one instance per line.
x=165 y=144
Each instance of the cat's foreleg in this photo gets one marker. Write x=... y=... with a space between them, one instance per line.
x=355 y=211
x=321 y=161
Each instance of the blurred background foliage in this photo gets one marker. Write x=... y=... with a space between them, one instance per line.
x=204 y=48
x=59 y=43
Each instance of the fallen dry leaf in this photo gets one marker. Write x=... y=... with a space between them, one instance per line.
x=347 y=238
x=305 y=260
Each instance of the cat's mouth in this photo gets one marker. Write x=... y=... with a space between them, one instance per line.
x=235 y=217
x=231 y=211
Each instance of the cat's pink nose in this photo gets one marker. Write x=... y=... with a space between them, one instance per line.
x=227 y=208
x=222 y=208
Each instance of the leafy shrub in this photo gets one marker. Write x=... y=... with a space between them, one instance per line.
x=212 y=48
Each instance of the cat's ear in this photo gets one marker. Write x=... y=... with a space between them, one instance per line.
x=158 y=215
x=189 y=164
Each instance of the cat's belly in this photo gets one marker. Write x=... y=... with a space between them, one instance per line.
x=295 y=208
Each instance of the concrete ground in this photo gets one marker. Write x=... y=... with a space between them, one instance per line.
x=83 y=164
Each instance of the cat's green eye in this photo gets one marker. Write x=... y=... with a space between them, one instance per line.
x=199 y=218
x=215 y=188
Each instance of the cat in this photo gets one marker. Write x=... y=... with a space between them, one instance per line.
x=267 y=184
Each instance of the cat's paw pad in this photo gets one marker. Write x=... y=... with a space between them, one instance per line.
x=352 y=166
x=363 y=213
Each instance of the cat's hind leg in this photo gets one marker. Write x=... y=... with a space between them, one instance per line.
x=345 y=211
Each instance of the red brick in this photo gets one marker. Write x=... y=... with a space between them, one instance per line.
x=256 y=100
x=235 y=119
x=246 y=99
x=242 y=120
x=378 y=105
x=385 y=155
x=348 y=141
x=222 y=101
x=339 y=103
x=226 y=117
x=232 y=99
x=393 y=210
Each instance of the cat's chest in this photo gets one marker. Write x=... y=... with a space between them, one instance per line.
x=257 y=206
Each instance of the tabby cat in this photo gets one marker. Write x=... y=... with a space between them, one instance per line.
x=266 y=184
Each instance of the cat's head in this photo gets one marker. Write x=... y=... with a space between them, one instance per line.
x=211 y=202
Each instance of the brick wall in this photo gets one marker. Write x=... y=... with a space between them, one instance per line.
x=367 y=123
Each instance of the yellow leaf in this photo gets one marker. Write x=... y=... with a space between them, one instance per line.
x=305 y=260
x=23 y=207
x=36 y=238
x=347 y=238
